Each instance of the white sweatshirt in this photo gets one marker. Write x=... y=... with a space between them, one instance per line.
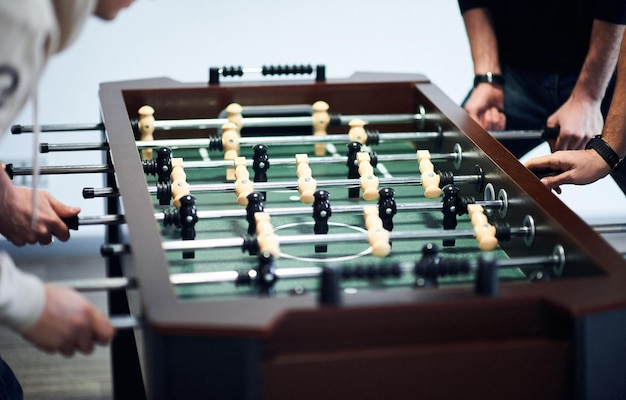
x=30 y=32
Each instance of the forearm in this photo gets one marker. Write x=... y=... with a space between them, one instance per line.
x=600 y=62
x=22 y=296
x=614 y=132
x=482 y=40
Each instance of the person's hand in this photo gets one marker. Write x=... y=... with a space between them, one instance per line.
x=579 y=121
x=578 y=167
x=69 y=323
x=485 y=106
x=16 y=214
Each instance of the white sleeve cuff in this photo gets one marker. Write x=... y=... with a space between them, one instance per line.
x=22 y=296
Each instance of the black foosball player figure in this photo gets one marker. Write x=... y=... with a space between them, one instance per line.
x=188 y=218
x=449 y=208
x=255 y=204
x=353 y=168
x=321 y=213
x=387 y=207
x=426 y=268
x=260 y=164
x=266 y=274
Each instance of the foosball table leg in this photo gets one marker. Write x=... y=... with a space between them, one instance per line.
x=126 y=374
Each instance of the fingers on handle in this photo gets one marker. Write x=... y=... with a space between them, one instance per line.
x=103 y=331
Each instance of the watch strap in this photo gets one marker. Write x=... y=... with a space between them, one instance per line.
x=489 y=77
x=605 y=151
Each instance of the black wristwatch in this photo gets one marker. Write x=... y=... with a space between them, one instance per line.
x=605 y=151
x=489 y=77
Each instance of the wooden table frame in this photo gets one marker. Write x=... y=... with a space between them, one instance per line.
x=565 y=336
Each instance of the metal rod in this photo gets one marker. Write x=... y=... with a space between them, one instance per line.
x=208 y=244
x=120 y=322
x=193 y=278
x=519 y=134
x=545 y=133
x=257 y=122
x=240 y=212
x=17 y=129
x=62 y=169
x=217 y=187
x=609 y=228
x=224 y=163
x=53 y=147
x=276 y=122
x=89 y=193
x=98 y=284
x=103 y=220
x=285 y=139
x=320 y=160
x=338 y=209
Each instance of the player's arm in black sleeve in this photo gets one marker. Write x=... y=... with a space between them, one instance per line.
x=465 y=5
x=609 y=11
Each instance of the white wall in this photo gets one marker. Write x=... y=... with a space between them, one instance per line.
x=181 y=39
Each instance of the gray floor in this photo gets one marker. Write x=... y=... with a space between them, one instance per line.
x=53 y=376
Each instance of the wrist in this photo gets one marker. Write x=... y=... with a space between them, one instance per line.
x=491 y=78
x=605 y=151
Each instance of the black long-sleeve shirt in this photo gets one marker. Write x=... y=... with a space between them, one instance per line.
x=547 y=34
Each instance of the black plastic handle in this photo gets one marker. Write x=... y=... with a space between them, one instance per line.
x=551 y=132
x=71 y=222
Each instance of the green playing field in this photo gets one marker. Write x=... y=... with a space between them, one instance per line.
x=348 y=253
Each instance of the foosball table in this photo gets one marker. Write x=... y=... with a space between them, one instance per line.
x=347 y=238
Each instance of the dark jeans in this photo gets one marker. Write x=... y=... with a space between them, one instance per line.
x=10 y=388
x=530 y=97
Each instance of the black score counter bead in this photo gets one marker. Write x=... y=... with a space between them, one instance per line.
x=373 y=137
x=431 y=266
x=447 y=178
x=164 y=193
x=462 y=204
x=161 y=166
x=215 y=144
x=171 y=217
x=503 y=231
x=321 y=213
x=371 y=271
